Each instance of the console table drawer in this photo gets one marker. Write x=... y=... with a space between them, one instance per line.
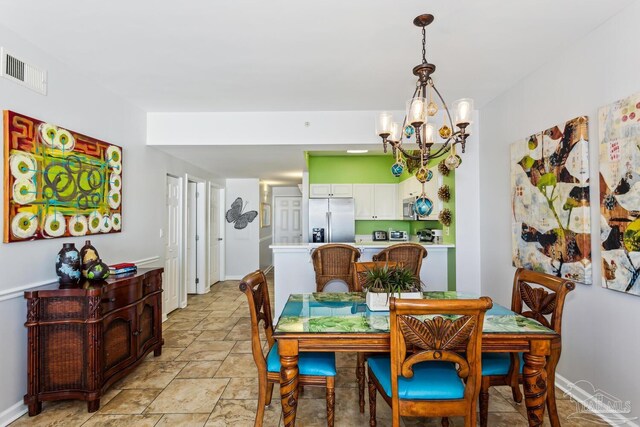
x=120 y=296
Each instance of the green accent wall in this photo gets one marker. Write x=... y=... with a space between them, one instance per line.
x=351 y=170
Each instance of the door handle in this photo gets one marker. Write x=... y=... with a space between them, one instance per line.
x=219 y=239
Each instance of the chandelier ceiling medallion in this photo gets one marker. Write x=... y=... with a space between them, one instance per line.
x=423 y=105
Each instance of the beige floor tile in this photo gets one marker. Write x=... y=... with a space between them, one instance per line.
x=188 y=396
x=216 y=324
x=242 y=347
x=99 y=420
x=223 y=313
x=346 y=360
x=129 y=402
x=57 y=414
x=187 y=316
x=200 y=369
x=242 y=413
x=212 y=336
x=206 y=350
x=183 y=420
x=346 y=377
x=239 y=366
x=168 y=355
x=179 y=339
x=241 y=388
x=151 y=375
x=183 y=326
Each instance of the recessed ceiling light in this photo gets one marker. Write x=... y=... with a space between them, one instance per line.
x=357 y=151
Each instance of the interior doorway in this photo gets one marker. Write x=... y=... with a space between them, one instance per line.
x=215 y=234
x=195 y=238
x=172 y=283
x=288 y=219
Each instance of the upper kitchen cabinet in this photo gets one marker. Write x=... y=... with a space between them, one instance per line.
x=325 y=191
x=376 y=201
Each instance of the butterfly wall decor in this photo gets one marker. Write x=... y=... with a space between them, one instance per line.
x=235 y=215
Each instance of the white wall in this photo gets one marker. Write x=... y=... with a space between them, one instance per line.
x=266 y=233
x=276 y=128
x=79 y=104
x=242 y=246
x=601 y=332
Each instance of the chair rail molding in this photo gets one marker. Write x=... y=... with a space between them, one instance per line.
x=18 y=291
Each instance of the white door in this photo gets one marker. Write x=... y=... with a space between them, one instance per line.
x=192 y=252
x=288 y=220
x=385 y=199
x=171 y=282
x=214 y=235
x=363 y=197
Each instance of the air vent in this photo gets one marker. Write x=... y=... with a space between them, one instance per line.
x=22 y=73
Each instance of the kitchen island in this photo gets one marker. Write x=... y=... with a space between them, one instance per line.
x=294 y=270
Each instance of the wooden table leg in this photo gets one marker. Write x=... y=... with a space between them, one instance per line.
x=535 y=381
x=288 y=351
x=552 y=362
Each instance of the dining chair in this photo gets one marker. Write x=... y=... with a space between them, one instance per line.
x=359 y=280
x=315 y=369
x=434 y=365
x=409 y=254
x=536 y=303
x=334 y=261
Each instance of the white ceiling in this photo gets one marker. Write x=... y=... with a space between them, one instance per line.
x=297 y=55
x=289 y=55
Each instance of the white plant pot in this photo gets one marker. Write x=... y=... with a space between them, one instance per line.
x=379 y=301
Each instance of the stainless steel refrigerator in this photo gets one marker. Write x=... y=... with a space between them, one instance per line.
x=332 y=220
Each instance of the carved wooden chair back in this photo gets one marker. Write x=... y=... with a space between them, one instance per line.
x=409 y=254
x=334 y=262
x=451 y=331
x=255 y=287
x=535 y=301
x=360 y=272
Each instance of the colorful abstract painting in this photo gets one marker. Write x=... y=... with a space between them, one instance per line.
x=619 y=132
x=550 y=201
x=58 y=182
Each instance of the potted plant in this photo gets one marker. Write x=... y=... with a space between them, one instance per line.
x=383 y=282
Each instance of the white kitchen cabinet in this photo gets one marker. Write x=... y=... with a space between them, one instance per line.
x=324 y=191
x=376 y=201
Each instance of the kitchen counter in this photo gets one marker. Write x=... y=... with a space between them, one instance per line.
x=294 y=273
x=364 y=243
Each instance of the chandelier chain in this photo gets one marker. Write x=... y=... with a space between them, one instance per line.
x=424 y=46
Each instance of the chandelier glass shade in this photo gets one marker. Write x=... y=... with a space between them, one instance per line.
x=433 y=140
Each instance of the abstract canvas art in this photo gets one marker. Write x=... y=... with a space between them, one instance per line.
x=550 y=201
x=619 y=136
x=58 y=182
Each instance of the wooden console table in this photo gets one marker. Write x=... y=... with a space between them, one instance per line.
x=80 y=341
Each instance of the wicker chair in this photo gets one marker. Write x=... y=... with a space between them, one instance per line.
x=410 y=255
x=334 y=262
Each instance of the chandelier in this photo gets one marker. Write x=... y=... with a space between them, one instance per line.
x=421 y=108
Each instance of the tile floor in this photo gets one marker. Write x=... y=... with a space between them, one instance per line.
x=206 y=377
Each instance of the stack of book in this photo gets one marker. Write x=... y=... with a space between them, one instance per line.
x=122 y=268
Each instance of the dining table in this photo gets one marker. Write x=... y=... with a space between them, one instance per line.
x=342 y=322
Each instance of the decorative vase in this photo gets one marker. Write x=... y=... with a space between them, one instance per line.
x=88 y=254
x=97 y=270
x=68 y=265
x=379 y=301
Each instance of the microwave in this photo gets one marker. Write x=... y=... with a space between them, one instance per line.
x=408 y=213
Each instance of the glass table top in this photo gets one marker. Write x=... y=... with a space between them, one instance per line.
x=348 y=312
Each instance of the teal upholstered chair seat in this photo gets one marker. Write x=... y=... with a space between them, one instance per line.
x=430 y=381
x=498 y=363
x=317 y=364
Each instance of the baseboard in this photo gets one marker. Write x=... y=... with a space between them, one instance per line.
x=268 y=269
x=233 y=277
x=583 y=397
x=12 y=413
